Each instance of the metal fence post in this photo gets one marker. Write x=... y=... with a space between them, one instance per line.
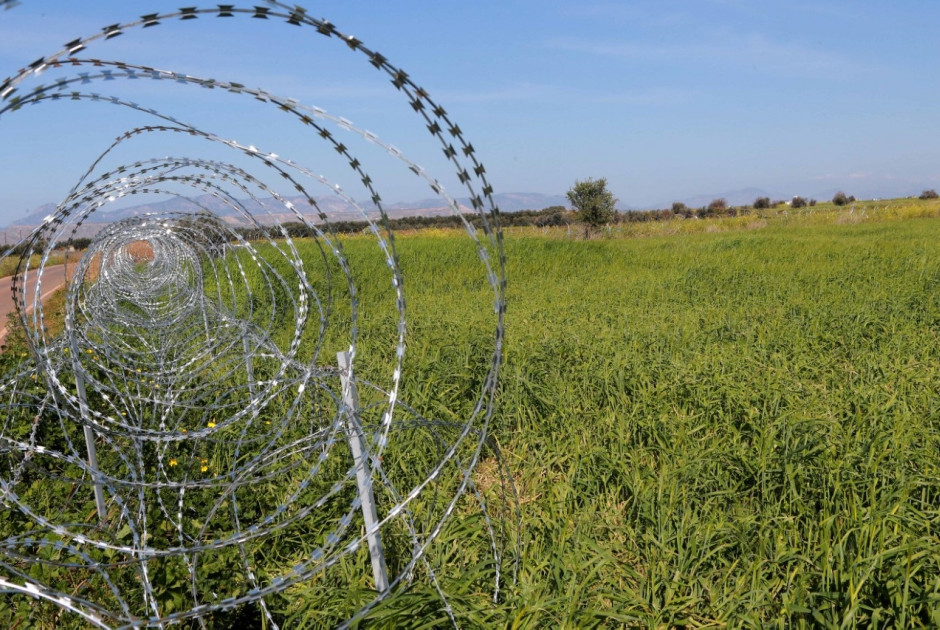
x=89 y=440
x=363 y=472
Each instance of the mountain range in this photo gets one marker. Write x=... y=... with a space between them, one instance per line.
x=269 y=211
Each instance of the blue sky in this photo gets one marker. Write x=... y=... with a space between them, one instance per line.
x=667 y=99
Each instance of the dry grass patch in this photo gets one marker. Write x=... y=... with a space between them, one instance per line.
x=140 y=251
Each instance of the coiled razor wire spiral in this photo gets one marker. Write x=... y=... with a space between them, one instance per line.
x=188 y=444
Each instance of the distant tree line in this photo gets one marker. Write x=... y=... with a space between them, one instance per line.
x=553 y=215
x=78 y=243
x=559 y=215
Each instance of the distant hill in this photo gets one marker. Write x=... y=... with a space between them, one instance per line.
x=270 y=211
x=330 y=204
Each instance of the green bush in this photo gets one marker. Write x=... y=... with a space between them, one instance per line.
x=841 y=199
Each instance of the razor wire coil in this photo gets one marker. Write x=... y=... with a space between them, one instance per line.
x=195 y=360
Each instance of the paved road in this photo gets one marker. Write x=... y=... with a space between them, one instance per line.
x=52 y=278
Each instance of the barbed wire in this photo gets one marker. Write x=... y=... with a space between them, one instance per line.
x=187 y=444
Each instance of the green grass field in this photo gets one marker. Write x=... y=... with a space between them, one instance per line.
x=707 y=428
x=719 y=429
x=734 y=428
x=712 y=428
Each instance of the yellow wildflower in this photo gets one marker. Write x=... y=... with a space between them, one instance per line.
x=173 y=461
x=211 y=424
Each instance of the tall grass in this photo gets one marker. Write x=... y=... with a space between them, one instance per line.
x=713 y=429
x=719 y=428
x=734 y=429
x=8 y=265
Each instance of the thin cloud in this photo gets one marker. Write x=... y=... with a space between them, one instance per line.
x=756 y=51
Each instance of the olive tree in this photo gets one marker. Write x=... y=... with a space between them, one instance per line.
x=593 y=202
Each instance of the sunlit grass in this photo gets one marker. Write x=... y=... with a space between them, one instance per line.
x=715 y=428
x=8 y=265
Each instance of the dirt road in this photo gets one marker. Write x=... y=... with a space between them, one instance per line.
x=52 y=278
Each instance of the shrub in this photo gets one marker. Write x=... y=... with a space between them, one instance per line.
x=840 y=199
x=929 y=194
x=718 y=205
x=762 y=203
x=679 y=208
x=812 y=202
x=553 y=219
x=798 y=202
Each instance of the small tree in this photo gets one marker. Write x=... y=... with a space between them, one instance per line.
x=717 y=206
x=797 y=202
x=840 y=199
x=929 y=194
x=593 y=202
x=762 y=203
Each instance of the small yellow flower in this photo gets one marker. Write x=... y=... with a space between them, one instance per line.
x=204 y=468
x=211 y=424
x=183 y=430
x=173 y=461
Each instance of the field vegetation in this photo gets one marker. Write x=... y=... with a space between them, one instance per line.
x=728 y=429
x=728 y=422
x=8 y=264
